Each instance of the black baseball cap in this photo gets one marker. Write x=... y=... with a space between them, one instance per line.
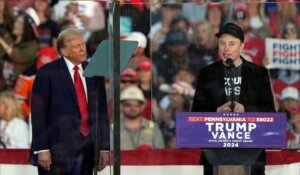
x=231 y=29
x=176 y=37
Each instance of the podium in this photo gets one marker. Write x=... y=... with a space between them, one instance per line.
x=232 y=161
x=231 y=142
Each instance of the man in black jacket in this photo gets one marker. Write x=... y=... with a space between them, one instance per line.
x=248 y=86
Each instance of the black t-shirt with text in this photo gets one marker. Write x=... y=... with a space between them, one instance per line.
x=234 y=83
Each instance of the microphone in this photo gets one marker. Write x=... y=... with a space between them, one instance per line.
x=231 y=66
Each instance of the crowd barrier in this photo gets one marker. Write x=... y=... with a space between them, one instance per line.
x=155 y=162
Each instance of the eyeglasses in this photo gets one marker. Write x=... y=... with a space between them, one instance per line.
x=129 y=105
x=290 y=30
x=128 y=81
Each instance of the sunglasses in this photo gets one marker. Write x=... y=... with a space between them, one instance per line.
x=290 y=30
x=128 y=81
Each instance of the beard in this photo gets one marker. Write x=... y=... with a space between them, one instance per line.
x=132 y=116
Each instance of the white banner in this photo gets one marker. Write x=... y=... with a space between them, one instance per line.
x=283 y=54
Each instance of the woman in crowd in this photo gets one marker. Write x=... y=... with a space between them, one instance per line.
x=14 y=131
x=22 y=52
x=6 y=25
x=47 y=28
x=6 y=19
x=204 y=46
x=284 y=12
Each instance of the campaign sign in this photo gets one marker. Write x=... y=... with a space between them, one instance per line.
x=283 y=54
x=230 y=130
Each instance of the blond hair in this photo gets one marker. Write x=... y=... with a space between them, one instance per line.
x=11 y=104
x=212 y=42
x=286 y=11
x=66 y=36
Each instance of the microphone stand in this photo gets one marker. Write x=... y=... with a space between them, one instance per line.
x=232 y=105
x=231 y=72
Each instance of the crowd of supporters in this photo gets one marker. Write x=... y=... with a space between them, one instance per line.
x=176 y=39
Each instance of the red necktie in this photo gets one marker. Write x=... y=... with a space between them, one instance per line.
x=80 y=92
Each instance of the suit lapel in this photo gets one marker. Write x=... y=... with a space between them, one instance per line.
x=65 y=74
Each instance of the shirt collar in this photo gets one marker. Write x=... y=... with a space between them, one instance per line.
x=70 y=65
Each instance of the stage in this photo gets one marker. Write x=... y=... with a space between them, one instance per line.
x=155 y=162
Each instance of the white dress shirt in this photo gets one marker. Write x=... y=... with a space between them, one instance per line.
x=71 y=70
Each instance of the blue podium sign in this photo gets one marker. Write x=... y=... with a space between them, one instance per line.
x=230 y=130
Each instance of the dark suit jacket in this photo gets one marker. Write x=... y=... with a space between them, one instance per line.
x=56 y=116
x=256 y=94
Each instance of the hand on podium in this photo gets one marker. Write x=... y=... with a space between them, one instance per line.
x=238 y=107
x=231 y=170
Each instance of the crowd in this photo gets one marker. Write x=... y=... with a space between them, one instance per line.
x=175 y=40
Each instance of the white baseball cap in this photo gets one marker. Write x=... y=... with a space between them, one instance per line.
x=180 y=87
x=139 y=37
x=132 y=93
x=290 y=92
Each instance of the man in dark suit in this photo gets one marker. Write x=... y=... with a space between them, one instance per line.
x=249 y=86
x=63 y=113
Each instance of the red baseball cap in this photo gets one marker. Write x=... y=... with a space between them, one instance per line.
x=129 y=73
x=240 y=11
x=144 y=65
